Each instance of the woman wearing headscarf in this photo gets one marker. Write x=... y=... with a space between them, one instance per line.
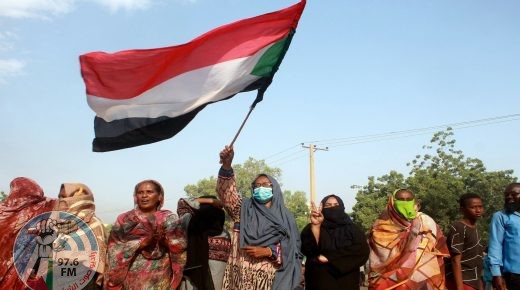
x=146 y=247
x=334 y=247
x=24 y=202
x=407 y=247
x=77 y=199
x=265 y=242
x=209 y=244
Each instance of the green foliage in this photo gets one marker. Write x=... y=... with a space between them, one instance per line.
x=203 y=187
x=3 y=196
x=245 y=174
x=372 y=198
x=297 y=204
x=442 y=177
x=438 y=177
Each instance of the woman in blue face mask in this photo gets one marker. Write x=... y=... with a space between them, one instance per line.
x=262 y=190
x=265 y=242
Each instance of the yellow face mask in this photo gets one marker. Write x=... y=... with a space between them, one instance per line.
x=406 y=208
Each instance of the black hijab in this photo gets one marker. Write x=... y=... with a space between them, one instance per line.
x=337 y=224
x=208 y=221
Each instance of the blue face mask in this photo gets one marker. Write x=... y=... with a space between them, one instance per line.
x=263 y=194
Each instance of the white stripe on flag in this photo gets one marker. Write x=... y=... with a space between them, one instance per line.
x=183 y=93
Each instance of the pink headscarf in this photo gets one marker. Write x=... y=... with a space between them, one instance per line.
x=24 y=202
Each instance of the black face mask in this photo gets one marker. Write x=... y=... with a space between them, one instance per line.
x=334 y=214
x=512 y=206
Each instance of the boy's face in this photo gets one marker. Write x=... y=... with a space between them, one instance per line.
x=473 y=208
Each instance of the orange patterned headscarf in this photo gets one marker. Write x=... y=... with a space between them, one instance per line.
x=401 y=248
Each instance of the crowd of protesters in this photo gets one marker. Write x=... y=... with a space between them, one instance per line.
x=150 y=247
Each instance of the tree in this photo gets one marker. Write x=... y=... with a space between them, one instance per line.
x=3 y=196
x=297 y=204
x=438 y=178
x=442 y=176
x=372 y=198
x=203 y=187
x=245 y=174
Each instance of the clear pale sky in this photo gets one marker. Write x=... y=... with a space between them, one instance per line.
x=354 y=68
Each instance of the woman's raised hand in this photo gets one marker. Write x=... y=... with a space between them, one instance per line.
x=226 y=157
x=316 y=215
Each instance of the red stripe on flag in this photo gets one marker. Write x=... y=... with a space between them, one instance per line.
x=127 y=74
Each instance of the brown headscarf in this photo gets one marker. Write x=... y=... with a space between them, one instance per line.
x=77 y=199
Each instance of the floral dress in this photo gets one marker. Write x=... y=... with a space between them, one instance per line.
x=158 y=266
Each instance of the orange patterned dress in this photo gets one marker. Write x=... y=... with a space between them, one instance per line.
x=405 y=254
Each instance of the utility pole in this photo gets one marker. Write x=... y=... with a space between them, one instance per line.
x=313 y=148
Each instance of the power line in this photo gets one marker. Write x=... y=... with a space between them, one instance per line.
x=312 y=149
x=288 y=154
x=285 y=150
x=416 y=134
x=459 y=125
x=292 y=159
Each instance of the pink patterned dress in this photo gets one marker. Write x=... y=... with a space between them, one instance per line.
x=159 y=266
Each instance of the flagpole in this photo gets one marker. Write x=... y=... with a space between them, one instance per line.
x=241 y=126
x=259 y=98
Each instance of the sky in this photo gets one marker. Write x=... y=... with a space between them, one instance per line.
x=354 y=68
